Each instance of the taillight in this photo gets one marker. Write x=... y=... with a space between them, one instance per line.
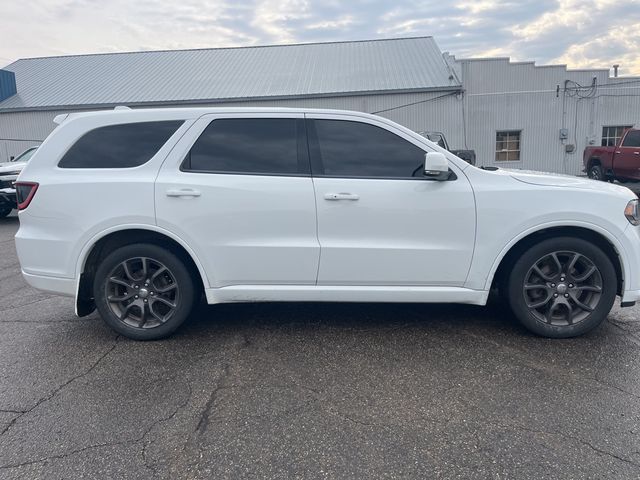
x=24 y=193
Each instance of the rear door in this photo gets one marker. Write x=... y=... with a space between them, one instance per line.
x=237 y=189
x=380 y=221
x=627 y=156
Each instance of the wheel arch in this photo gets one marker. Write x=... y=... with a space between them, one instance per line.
x=594 y=161
x=604 y=241
x=107 y=241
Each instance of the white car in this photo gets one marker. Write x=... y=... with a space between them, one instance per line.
x=9 y=172
x=140 y=212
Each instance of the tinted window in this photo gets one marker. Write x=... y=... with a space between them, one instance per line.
x=247 y=145
x=119 y=146
x=632 y=139
x=353 y=149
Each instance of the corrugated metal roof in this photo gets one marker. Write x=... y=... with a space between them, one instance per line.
x=229 y=73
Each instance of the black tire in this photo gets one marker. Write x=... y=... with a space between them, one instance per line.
x=595 y=172
x=5 y=211
x=173 y=285
x=559 y=285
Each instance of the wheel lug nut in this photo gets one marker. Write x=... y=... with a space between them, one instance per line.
x=553 y=284
x=145 y=300
x=566 y=295
x=136 y=296
x=571 y=285
x=555 y=294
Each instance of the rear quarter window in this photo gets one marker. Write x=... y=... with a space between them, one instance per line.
x=119 y=146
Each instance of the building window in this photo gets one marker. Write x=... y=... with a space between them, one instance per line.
x=508 y=146
x=611 y=135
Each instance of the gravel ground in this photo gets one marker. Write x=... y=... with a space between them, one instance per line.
x=312 y=391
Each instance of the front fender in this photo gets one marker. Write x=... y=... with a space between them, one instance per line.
x=608 y=235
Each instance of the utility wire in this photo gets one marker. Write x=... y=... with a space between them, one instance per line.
x=415 y=103
x=616 y=83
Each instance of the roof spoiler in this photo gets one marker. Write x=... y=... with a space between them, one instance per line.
x=58 y=119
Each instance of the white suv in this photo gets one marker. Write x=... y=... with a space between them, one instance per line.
x=140 y=212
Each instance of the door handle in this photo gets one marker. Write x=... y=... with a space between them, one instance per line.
x=636 y=153
x=183 y=192
x=341 y=196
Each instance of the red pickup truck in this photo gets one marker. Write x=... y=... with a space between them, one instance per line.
x=621 y=162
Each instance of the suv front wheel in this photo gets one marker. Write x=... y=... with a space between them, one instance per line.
x=562 y=287
x=143 y=291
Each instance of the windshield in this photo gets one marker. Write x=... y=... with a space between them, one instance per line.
x=25 y=156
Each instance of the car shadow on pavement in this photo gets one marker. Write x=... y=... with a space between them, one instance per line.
x=351 y=316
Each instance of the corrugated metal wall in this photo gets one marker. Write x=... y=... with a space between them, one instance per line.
x=428 y=111
x=521 y=96
x=21 y=130
x=499 y=95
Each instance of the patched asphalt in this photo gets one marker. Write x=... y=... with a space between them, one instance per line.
x=312 y=391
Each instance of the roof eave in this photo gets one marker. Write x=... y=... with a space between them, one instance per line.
x=449 y=88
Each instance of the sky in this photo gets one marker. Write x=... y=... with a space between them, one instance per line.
x=581 y=34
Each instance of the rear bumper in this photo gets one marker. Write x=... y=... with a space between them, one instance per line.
x=57 y=285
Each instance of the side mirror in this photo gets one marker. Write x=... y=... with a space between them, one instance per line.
x=436 y=166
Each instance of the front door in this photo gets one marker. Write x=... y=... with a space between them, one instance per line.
x=237 y=189
x=380 y=222
x=627 y=156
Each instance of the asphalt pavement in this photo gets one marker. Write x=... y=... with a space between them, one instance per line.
x=312 y=391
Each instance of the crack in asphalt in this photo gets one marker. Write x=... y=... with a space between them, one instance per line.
x=350 y=419
x=68 y=454
x=203 y=423
x=569 y=437
x=133 y=441
x=44 y=322
x=15 y=307
x=204 y=416
x=57 y=390
x=635 y=339
x=514 y=352
x=148 y=465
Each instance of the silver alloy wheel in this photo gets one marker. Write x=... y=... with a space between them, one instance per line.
x=142 y=292
x=562 y=288
x=595 y=173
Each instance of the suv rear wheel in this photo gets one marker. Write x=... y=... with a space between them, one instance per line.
x=143 y=291
x=562 y=287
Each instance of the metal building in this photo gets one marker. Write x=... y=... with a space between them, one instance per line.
x=516 y=115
